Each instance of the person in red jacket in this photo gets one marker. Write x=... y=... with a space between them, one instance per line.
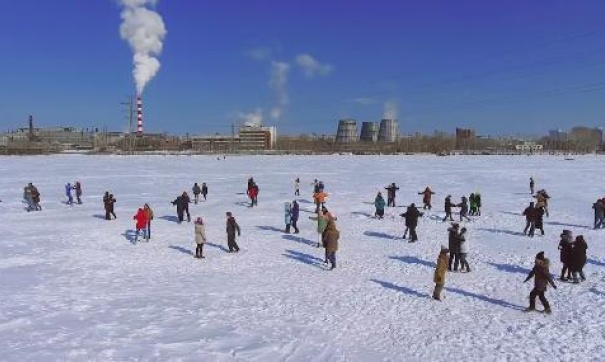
x=253 y=194
x=141 y=224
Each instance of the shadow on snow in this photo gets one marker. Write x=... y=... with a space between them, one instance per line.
x=270 y=228
x=556 y=223
x=401 y=289
x=130 y=235
x=375 y=234
x=595 y=262
x=170 y=218
x=414 y=260
x=181 y=249
x=514 y=269
x=484 y=298
x=299 y=239
x=500 y=231
x=304 y=258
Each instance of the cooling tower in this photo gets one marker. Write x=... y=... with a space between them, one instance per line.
x=389 y=131
x=369 y=132
x=347 y=131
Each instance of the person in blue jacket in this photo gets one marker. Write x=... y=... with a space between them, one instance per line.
x=288 y=216
x=70 y=199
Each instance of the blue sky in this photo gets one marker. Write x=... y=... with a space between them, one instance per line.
x=502 y=67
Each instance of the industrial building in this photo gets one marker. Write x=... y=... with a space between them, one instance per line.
x=388 y=131
x=369 y=132
x=257 y=138
x=347 y=131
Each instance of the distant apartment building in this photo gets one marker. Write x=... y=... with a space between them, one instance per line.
x=257 y=138
x=464 y=138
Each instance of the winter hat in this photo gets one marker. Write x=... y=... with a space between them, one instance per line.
x=540 y=255
x=199 y=221
x=566 y=233
x=444 y=249
x=455 y=224
x=229 y=213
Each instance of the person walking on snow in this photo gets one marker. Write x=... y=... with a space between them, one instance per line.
x=411 y=216
x=204 y=191
x=599 y=213
x=322 y=222
x=35 y=196
x=294 y=214
x=531 y=185
x=448 y=208
x=141 y=224
x=472 y=199
x=149 y=215
x=542 y=278
x=182 y=204
x=297 y=187
x=331 y=236
x=70 y=199
x=288 y=216
x=566 y=248
x=29 y=199
x=379 y=205
x=78 y=188
x=232 y=229
x=196 y=189
x=539 y=214
x=253 y=195
x=578 y=259
x=453 y=242
x=530 y=219
x=109 y=204
x=391 y=194
x=427 y=195
x=440 y=270
x=463 y=247
x=200 y=238
x=463 y=205
x=542 y=200
x=320 y=200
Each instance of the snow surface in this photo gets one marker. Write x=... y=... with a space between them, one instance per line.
x=73 y=286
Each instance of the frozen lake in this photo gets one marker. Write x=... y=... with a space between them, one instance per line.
x=75 y=288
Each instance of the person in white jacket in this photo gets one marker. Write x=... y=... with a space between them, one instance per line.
x=463 y=242
x=200 y=238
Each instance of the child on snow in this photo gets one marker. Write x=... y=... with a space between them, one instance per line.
x=542 y=278
x=578 y=259
x=78 y=188
x=566 y=254
x=440 y=270
x=204 y=190
x=379 y=205
x=232 y=228
x=294 y=214
x=463 y=248
x=331 y=236
x=322 y=222
x=149 y=215
x=200 y=238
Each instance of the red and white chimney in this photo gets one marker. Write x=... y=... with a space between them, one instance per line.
x=139 y=115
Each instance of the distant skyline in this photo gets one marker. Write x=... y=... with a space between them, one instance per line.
x=516 y=67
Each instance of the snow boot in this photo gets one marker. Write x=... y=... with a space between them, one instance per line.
x=547 y=311
x=529 y=309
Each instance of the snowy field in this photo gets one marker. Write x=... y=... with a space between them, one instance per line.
x=73 y=287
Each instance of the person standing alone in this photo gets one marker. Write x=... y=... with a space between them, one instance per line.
x=232 y=229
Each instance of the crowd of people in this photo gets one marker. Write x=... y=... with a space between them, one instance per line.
x=452 y=258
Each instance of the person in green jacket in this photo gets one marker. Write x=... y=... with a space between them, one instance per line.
x=322 y=222
x=379 y=204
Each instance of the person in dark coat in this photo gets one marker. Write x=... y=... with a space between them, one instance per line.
x=232 y=229
x=391 y=194
x=186 y=202
x=542 y=278
x=448 y=208
x=578 y=258
x=78 y=188
x=566 y=247
x=531 y=185
x=379 y=205
x=411 y=222
x=453 y=246
x=180 y=203
x=599 y=213
x=539 y=215
x=204 y=191
x=197 y=190
x=294 y=214
x=463 y=205
x=108 y=204
x=427 y=195
x=530 y=220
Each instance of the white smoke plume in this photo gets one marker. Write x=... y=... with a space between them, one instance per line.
x=252 y=119
x=311 y=67
x=279 y=82
x=390 y=110
x=144 y=30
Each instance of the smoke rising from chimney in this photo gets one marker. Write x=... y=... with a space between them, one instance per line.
x=390 y=110
x=144 y=30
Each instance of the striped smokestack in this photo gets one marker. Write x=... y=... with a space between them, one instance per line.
x=139 y=115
